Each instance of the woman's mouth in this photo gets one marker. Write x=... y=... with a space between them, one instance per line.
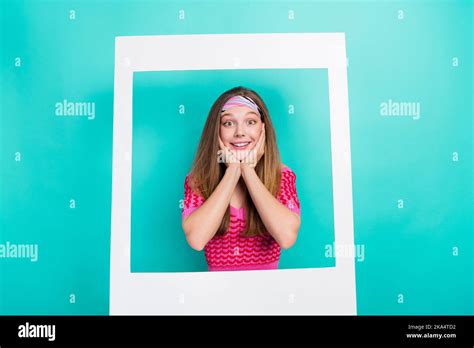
x=241 y=145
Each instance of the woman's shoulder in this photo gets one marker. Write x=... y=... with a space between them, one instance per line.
x=285 y=169
x=190 y=183
x=287 y=174
x=287 y=192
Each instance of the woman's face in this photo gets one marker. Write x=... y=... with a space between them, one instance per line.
x=240 y=128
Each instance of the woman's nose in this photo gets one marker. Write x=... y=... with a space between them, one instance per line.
x=239 y=132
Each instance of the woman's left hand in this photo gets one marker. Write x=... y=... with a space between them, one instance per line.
x=257 y=152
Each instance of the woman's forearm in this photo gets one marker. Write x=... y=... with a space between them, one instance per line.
x=282 y=223
x=202 y=224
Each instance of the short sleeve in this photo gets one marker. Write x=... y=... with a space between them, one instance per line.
x=287 y=194
x=192 y=201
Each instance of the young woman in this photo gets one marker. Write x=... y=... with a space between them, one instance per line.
x=240 y=201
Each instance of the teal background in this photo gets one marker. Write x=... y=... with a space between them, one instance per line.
x=408 y=251
x=165 y=142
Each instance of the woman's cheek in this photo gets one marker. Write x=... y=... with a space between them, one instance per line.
x=255 y=134
x=226 y=136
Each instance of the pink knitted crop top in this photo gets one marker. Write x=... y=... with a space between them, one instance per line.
x=234 y=252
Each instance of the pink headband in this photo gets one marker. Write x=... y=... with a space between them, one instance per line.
x=238 y=100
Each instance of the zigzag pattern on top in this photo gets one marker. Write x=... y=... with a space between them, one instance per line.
x=232 y=249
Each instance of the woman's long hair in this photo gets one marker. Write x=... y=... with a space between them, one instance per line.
x=207 y=172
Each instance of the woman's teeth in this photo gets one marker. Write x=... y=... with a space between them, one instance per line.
x=240 y=145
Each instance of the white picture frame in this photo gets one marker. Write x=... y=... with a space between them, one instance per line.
x=311 y=291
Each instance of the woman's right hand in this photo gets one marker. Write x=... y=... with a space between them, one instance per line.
x=228 y=156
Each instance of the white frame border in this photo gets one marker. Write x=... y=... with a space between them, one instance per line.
x=321 y=291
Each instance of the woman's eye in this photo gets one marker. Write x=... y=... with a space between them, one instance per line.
x=252 y=122
x=227 y=123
